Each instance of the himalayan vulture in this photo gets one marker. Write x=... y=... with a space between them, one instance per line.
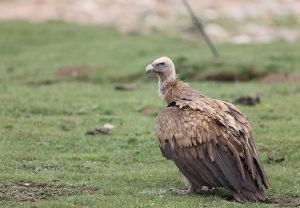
x=209 y=140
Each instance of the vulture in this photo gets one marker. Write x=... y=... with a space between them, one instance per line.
x=209 y=140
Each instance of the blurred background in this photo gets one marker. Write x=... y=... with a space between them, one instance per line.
x=236 y=21
x=77 y=112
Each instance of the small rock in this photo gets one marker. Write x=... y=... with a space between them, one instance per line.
x=108 y=126
x=106 y=129
x=258 y=33
x=289 y=35
x=211 y=14
x=241 y=39
x=87 y=191
x=217 y=32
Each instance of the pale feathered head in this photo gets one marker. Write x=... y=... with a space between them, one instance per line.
x=163 y=68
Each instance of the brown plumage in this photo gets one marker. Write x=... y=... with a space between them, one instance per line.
x=209 y=140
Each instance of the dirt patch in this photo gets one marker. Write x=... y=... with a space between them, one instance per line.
x=80 y=73
x=279 y=77
x=275 y=160
x=265 y=149
x=27 y=191
x=218 y=71
x=125 y=87
x=37 y=83
x=251 y=101
x=74 y=71
x=199 y=75
x=237 y=75
x=149 y=111
x=286 y=202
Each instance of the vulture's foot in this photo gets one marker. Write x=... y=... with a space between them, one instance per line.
x=205 y=190
x=180 y=192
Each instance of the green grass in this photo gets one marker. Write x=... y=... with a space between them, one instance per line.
x=42 y=126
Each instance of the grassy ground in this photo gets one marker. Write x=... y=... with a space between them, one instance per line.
x=45 y=153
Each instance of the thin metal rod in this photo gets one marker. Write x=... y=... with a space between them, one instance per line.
x=199 y=23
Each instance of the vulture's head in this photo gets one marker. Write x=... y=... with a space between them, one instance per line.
x=163 y=68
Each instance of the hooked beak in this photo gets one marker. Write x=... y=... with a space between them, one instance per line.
x=149 y=68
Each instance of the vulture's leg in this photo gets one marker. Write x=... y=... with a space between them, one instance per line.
x=180 y=192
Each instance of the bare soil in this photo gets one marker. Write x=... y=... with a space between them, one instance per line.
x=74 y=71
x=286 y=202
x=148 y=111
x=279 y=77
x=27 y=191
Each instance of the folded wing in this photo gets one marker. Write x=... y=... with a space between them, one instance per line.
x=212 y=145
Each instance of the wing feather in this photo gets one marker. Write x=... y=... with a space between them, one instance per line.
x=208 y=151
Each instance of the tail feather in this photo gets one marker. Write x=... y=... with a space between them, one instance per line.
x=245 y=195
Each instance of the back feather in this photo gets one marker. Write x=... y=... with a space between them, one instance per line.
x=210 y=142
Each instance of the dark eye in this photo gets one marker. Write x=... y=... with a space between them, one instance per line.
x=161 y=65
